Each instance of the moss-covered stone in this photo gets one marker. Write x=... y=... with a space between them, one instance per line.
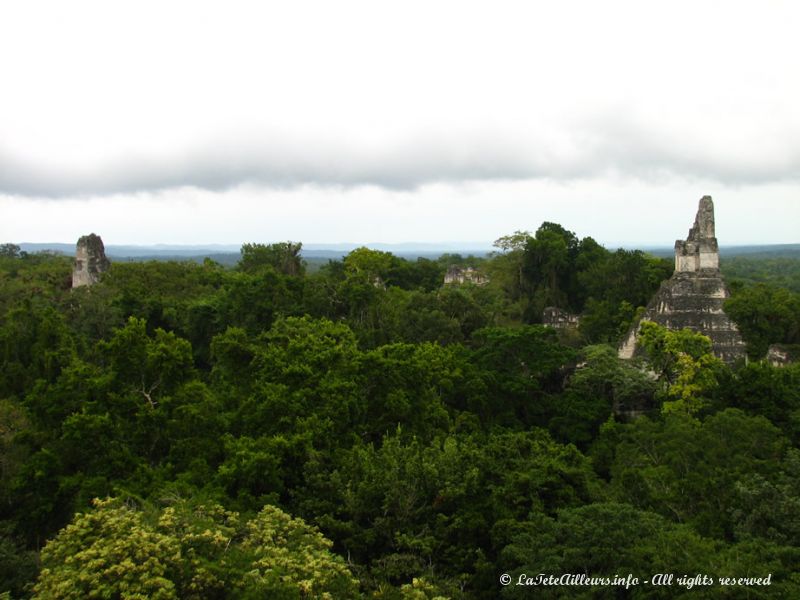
x=90 y=260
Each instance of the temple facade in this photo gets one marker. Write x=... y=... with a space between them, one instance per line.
x=695 y=294
x=90 y=261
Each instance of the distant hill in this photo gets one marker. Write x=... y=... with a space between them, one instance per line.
x=753 y=251
x=228 y=254
x=773 y=251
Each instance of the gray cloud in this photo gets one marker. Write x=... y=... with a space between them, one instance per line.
x=612 y=144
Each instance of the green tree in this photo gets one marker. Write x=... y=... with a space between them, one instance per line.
x=409 y=509
x=758 y=388
x=600 y=540
x=254 y=301
x=373 y=265
x=35 y=343
x=548 y=266
x=688 y=370
x=284 y=257
x=602 y=386
x=522 y=369
x=18 y=565
x=146 y=414
x=410 y=385
x=186 y=551
x=9 y=251
x=506 y=266
x=669 y=466
x=765 y=315
x=616 y=286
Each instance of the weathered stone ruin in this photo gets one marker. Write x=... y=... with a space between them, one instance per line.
x=559 y=319
x=694 y=296
x=459 y=275
x=780 y=355
x=90 y=261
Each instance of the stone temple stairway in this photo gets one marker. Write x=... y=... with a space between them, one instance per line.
x=695 y=294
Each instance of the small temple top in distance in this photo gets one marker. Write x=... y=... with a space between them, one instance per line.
x=700 y=250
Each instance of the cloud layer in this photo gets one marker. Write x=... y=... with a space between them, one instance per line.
x=354 y=93
x=603 y=146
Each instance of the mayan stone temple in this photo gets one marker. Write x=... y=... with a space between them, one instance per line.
x=694 y=296
x=90 y=261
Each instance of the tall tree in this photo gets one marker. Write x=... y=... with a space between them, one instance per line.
x=284 y=257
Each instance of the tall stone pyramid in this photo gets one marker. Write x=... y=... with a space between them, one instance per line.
x=694 y=296
x=90 y=261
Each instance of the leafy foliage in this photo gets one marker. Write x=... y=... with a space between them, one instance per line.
x=437 y=436
x=765 y=315
x=186 y=551
x=686 y=367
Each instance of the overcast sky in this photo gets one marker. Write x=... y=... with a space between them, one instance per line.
x=227 y=122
